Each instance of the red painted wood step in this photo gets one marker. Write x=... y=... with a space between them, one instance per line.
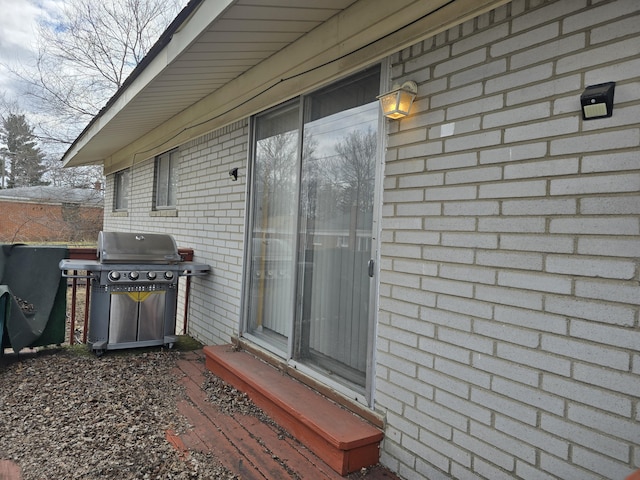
x=343 y=440
x=9 y=470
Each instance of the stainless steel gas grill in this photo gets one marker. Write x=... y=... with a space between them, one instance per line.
x=134 y=283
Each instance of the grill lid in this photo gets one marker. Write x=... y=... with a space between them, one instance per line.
x=125 y=247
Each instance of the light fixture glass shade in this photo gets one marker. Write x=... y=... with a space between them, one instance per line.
x=397 y=103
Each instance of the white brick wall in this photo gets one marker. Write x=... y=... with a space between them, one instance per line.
x=509 y=295
x=209 y=218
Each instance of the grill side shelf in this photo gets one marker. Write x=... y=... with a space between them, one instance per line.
x=192 y=269
x=67 y=265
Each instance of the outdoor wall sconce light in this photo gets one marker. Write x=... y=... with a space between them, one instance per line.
x=397 y=103
x=233 y=173
x=597 y=101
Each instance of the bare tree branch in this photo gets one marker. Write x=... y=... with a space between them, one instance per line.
x=84 y=55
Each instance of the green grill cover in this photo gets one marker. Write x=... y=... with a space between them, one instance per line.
x=31 y=274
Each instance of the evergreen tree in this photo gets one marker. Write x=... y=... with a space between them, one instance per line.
x=25 y=160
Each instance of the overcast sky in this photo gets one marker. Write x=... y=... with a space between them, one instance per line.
x=18 y=23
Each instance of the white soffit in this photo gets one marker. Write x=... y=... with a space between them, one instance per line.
x=223 y=41
x=220 y=40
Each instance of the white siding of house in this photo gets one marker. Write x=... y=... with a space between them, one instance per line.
x=508 y=330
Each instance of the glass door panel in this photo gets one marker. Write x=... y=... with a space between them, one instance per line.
x=273 y=235
x=337 y=204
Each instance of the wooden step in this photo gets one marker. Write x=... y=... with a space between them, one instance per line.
x=343 y=440
x=9 y=470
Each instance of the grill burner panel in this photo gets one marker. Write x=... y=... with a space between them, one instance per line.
x=133 y=289
x=138 y=275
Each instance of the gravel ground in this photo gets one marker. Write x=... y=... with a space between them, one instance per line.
x=69 y=415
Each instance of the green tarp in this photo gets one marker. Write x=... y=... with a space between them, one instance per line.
x=31 y=274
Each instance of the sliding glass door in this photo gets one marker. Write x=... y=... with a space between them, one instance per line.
x=313 y=203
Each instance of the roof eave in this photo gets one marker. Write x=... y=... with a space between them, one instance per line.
x=353 y=39
x=176 y=38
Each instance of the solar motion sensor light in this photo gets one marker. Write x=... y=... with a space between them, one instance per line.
x=597 y=101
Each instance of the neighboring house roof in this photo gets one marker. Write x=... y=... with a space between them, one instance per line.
x=222 y=60
x=55 y=195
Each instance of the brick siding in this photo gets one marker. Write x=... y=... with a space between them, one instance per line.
x=508 y=323
x=33 y=222
x=209 y=217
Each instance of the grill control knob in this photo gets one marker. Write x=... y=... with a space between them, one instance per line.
x=114 y=276
x=133 y=275
x=151 y=275
x=168 y=275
